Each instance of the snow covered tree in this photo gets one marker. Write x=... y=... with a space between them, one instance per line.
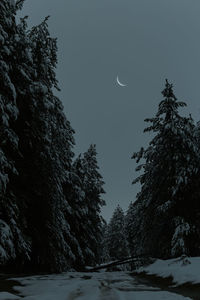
x=76 y=216
x=117 y=242
x=14 y=244
x=84 y=197
x=47 y=204
x=47 y=140
x=171 y=162
x=44 y=140
x=104 y=249
x=93 y=188
x=129 y=228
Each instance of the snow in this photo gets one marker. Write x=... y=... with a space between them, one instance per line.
x=178 y=243
x=6 y=238
x=8 y=296
x=153 y=296
x=182 y=270
x=1 y=39
x=86 y=286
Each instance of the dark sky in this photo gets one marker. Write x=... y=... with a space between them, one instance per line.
x=141 y=41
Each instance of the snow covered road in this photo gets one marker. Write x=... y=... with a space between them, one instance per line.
x=85 y=286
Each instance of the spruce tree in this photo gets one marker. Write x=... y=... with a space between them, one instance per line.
x=117 y=242
x=44 y=141
x=14 y=244
x=93 y=188
x=76 y=216
x=166 y=201
x=47 y=157
x=84 y=189
x=104 y=245
x=129 y=229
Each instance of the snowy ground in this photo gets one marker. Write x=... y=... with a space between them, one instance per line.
x=86 y=286
x=182 y=270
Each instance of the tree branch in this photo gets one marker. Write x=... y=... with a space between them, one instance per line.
x=19 y=4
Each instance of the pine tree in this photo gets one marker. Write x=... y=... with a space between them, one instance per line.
x=47 y=156
x=117 y=242
x=14 y=244
x=93 y=188
x=85 y=189
x=45 y=140
x=170 y=164
x=76 y=216
x=104 y=249
x=129 y=229
x=47 y=204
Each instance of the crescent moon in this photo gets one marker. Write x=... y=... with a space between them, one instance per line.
x=121 y=84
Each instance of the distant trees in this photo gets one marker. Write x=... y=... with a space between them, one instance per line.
x=93 y=188
x=131 y=230
x=104 y=250
x=164 y=219
x=85 y=193
x=117 y=244
x=49 y=204
x=115 y=241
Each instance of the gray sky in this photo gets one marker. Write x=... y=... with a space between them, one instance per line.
x=141 y=41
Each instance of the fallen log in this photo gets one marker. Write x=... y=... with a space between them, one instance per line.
x=126 y=260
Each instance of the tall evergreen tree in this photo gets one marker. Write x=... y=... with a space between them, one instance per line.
x=76 y=216
x=93 y=188
x=104 y=245
x=40 y=151
x=85 y=191
x=117 y=242
x=47 y=156
x=14 y=245
x=166 y=203
x=129 y=229
x=46 y=202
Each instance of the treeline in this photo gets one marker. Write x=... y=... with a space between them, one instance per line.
x=114 y=242
x=164 y=221
x=49 y=202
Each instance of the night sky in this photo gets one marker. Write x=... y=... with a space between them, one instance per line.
x=141 y=41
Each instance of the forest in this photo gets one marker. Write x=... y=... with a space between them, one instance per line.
x=50 y=200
